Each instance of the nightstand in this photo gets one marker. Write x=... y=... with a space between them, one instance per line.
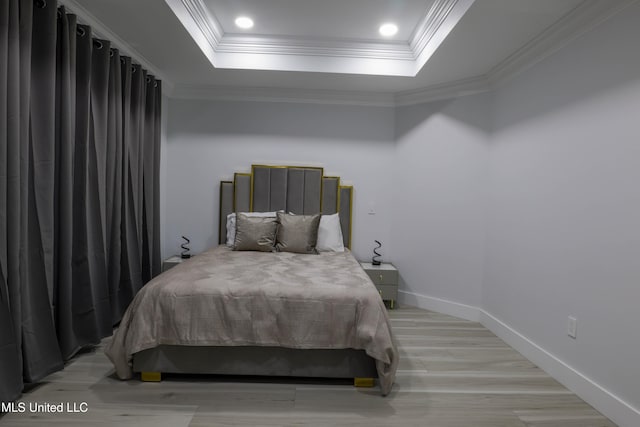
x=385 y=277
x=171 y=262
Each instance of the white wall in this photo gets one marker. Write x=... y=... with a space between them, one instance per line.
x=564 y=207
x=210 y=140
x=441 y=177
x=529 y=209
x=530 y=212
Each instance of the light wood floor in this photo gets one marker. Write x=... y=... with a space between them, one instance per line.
x=452 y=373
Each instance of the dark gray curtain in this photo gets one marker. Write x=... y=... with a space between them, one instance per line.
x=79 y=159
x=114 y=156
x=11 y=89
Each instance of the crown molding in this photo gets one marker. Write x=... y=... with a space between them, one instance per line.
x=337 y=97
x=201 y=26
x=583 y=18
x=206 y=22
x=101 y=31
x=435 y=26
x=268 y=94
x=315 y=47
x=463 y=87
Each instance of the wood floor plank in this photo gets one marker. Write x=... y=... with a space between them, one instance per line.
x=452 y=373
x=451 y=341
x=479 y=384
x=106 y=415
x=462 y=360
x=448 y=332
x=426 y=323
x=585 y=422
x=561 y=417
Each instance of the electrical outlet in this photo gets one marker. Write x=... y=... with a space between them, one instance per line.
x=572 y=327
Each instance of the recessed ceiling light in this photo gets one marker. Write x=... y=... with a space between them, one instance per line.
x=388 y=29
x=244 y=22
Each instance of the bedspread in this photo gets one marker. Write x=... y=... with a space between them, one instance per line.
x=231 y=298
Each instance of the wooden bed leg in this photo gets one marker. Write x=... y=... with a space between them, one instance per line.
x=363 y=382
x=151 y=376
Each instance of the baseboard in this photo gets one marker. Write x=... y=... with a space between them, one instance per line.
x=610 y=405
x=440 y=305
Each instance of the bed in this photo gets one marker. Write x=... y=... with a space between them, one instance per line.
x=263 y=313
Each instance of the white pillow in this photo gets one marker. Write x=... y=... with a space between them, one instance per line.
x=231 y=224
x=330 y=234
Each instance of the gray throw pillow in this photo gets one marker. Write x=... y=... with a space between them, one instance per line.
x=255 y=233
x=297 y=233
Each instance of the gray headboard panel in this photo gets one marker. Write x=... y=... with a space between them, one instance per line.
x=292 y=189
x=298 y=189
x=241 y=192
x=226 y=207
x=330 y=188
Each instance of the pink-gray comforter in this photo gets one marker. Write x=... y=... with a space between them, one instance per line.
x=229 y=298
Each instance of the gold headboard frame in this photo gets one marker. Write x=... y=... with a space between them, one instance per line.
x=349 y=190
x=241 y=193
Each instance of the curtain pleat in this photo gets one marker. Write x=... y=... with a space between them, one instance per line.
x=10 y=377
x=150 y=181
x=138 y=98
x=133 y=140
x=100 y=121
x=41 y=354
x=10 y=343
x=101 y=314
x=65 y=146
x=83 y=328
x=114 y=160
x=131 y=278
x=79 y=185
x=154 y=213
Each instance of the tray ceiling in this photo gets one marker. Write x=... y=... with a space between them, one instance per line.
x=331 y=36
x=330 y=50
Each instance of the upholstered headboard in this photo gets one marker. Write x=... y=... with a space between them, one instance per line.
x=302 y=190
